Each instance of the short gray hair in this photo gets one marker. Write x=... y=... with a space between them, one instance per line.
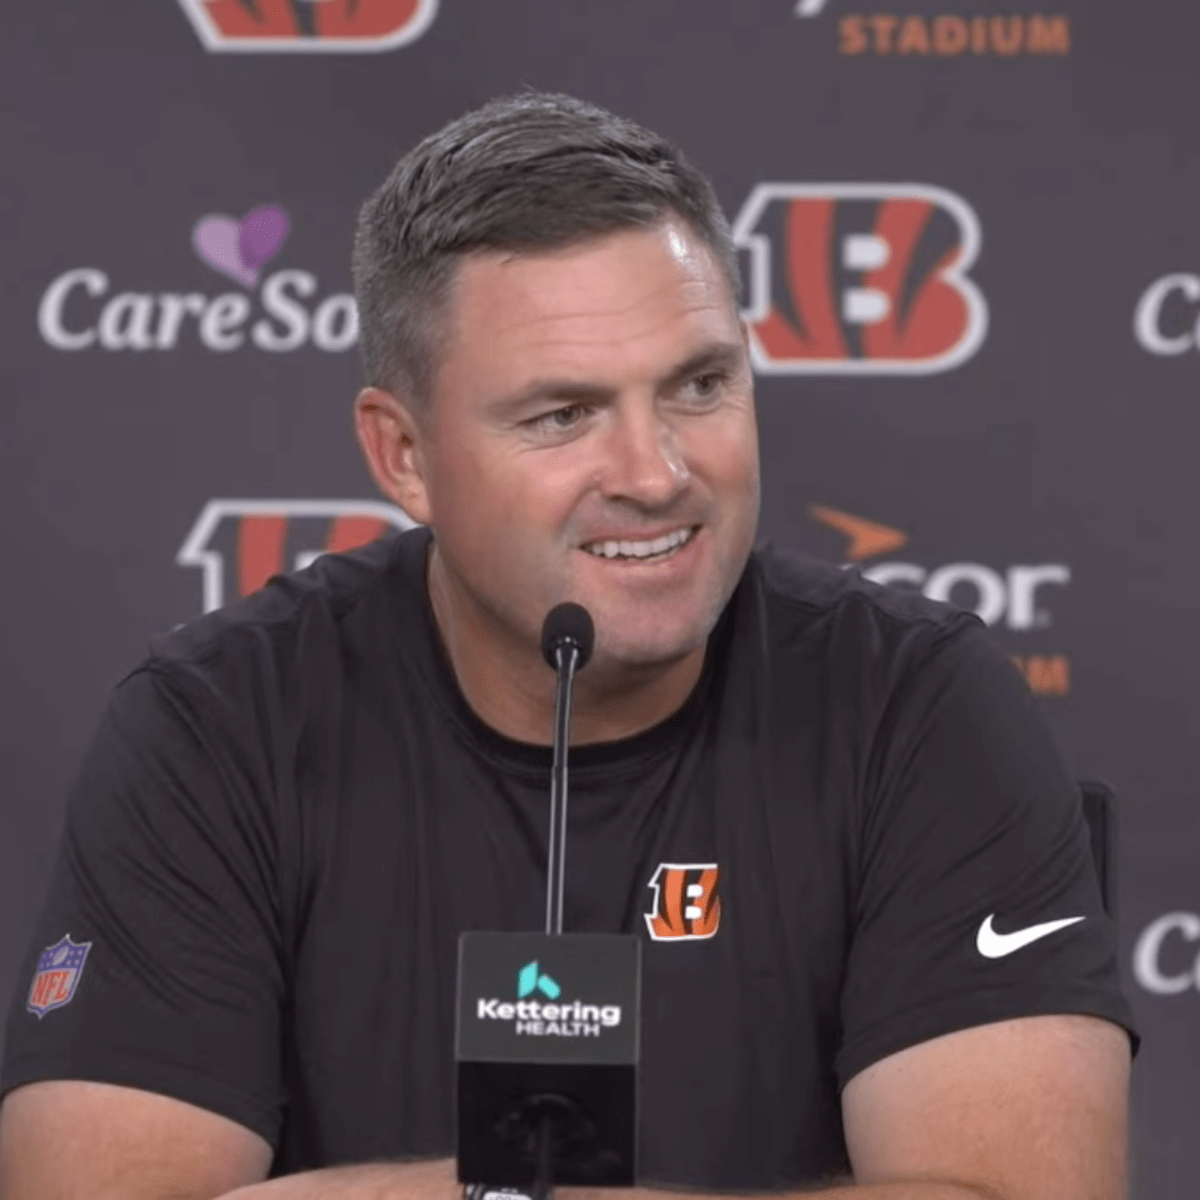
x=521 y=174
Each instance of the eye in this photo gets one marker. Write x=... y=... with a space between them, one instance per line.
x=557 y=420
x=707 y=386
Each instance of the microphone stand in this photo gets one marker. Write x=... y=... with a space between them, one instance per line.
x=566 y=658
x=543 y=1108
x=540 y=1107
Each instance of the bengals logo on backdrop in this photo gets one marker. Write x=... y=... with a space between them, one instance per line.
x=860 y=278
x=300 y=26
x=240 y=544
x=686 y=903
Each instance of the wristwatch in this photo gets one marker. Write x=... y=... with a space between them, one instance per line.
x=484 y=1191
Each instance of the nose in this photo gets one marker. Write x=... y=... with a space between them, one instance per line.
x=644 y=463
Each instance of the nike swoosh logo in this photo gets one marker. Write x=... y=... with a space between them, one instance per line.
x=991 y=944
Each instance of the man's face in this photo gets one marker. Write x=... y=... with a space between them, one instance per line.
x=591 y=437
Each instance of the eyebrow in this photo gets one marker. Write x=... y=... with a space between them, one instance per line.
x=710 y=357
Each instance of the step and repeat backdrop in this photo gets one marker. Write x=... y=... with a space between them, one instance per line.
x=972 y=265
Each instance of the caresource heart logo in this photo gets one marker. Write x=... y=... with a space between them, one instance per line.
x=276 y=310
x=240 y=249
x=308 y=26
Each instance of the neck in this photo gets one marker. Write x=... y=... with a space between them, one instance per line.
x=509 y=686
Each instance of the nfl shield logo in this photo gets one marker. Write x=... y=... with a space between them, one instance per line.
x=57 y=975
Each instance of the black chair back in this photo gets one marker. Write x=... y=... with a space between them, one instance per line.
x=1100 y=810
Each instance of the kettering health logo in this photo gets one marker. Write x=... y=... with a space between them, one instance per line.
x=277 y=312
x=309 y=26
x=535 y=1018
x=530 y=980
x=941 y=34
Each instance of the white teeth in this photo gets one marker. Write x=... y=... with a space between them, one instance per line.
x=660 y=545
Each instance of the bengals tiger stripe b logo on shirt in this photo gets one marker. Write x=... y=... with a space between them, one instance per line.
x=686 y=902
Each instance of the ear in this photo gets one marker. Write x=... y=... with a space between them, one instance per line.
x=392 y=441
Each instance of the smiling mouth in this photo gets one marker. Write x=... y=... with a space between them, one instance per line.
x=648 y=551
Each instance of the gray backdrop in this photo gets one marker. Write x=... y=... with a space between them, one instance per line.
x=973 y=274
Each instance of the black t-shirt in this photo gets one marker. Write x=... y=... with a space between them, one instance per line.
x=290 y=813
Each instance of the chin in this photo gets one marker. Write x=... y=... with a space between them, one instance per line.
x=643 y=633
x=648 y=647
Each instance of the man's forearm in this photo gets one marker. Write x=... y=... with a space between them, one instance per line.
x=845 y=1190
x=429 y=1179
x=435 y=1180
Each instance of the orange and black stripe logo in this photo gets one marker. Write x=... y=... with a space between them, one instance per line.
x=687 y=904
x=301 y=25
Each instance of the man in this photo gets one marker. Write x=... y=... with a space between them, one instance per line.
x=875 y=959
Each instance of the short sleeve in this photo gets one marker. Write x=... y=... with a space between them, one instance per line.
x=167 y=871
x=973 y=856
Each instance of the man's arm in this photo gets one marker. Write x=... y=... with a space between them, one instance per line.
x=1029 y=1109
x=67 y=1140
x=70 y=1140
x=433 y=1179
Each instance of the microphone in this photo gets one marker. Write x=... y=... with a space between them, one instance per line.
x=548 y=1024
x=568 y=626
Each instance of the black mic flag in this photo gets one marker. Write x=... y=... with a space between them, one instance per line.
x=548 y=1024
